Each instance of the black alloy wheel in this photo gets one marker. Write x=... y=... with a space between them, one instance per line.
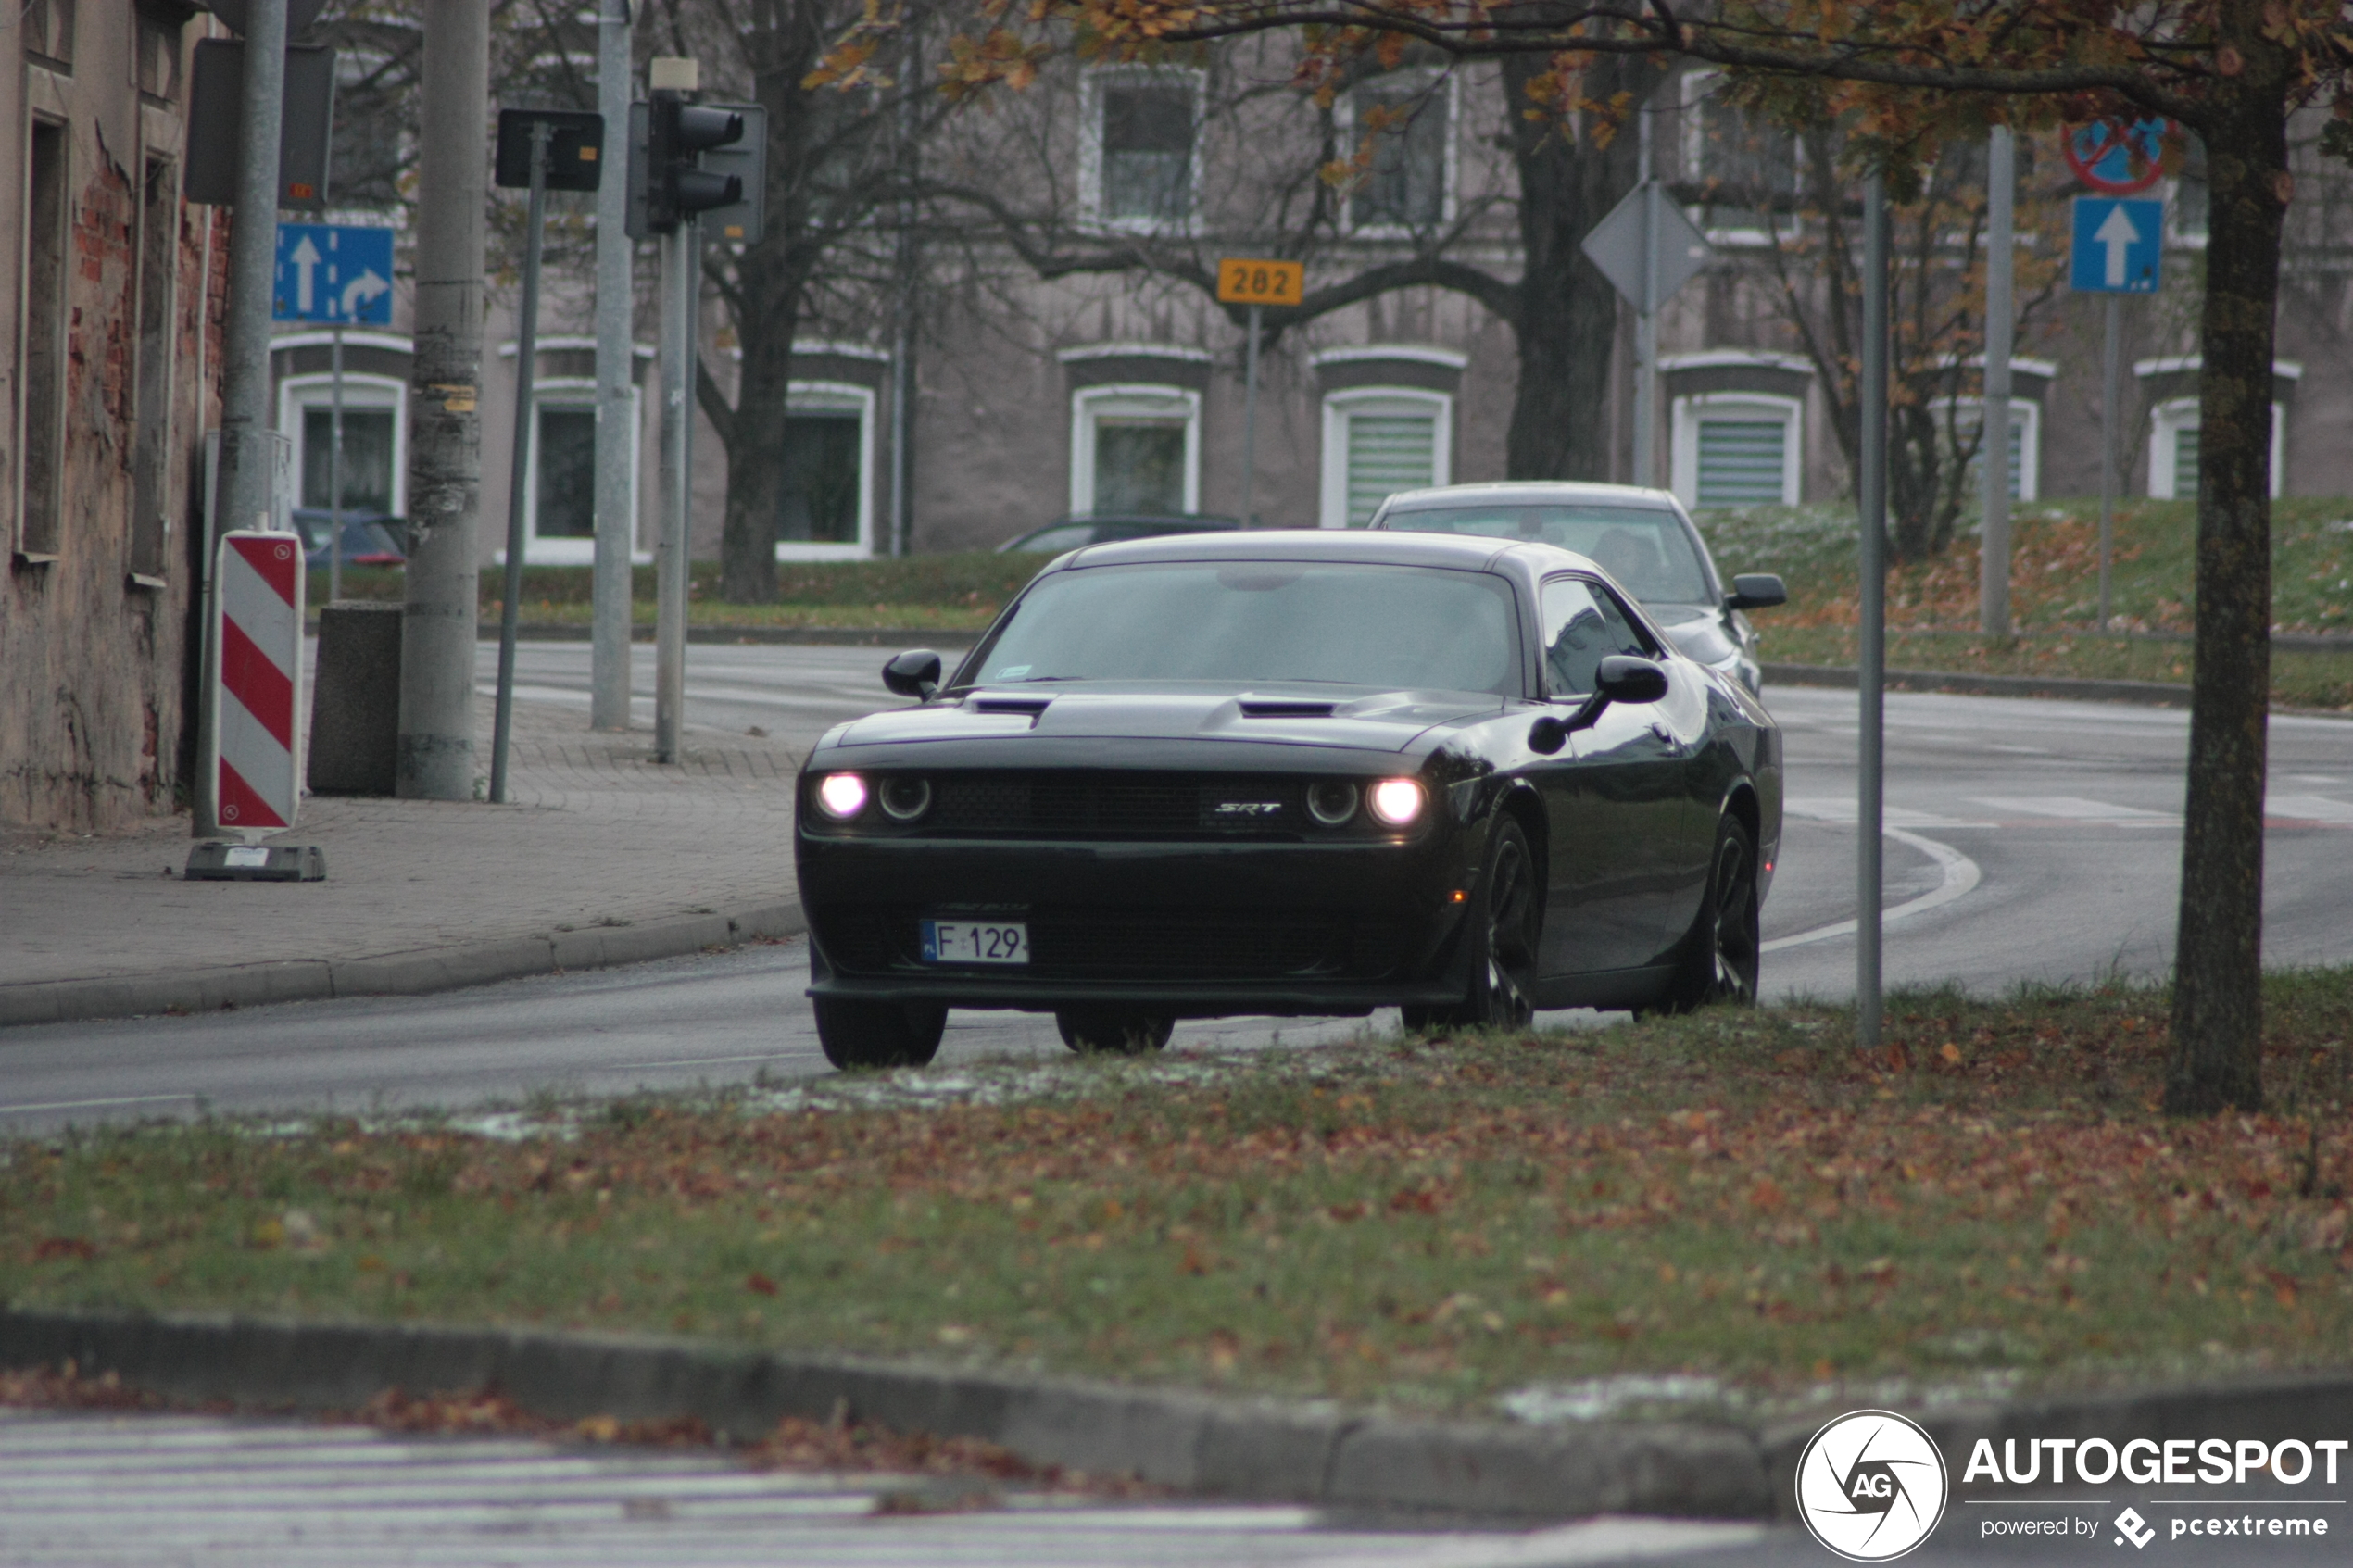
x=878 y=1033
x=1116 y=1031
x=1721 y=954
x=1504 y=964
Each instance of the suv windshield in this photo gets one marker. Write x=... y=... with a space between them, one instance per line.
x=1253 y=621
x=1644 y=548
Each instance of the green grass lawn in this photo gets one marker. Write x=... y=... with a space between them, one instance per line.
x=1738 y=1199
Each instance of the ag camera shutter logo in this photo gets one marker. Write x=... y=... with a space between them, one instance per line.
x=1871 y=1485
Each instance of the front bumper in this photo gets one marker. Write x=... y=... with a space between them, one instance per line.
x=1192 y=929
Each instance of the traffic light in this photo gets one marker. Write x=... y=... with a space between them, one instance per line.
x=667 y=184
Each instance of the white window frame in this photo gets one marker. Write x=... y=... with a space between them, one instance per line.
x=1090 y=145
x=2167 y=421
x=1695 y=88
x=835 y=397
x=1341 y=407
x=1688 y=413
x=568 y=392
x=2026 y=417
x=361 y=390
x=1135 y=401
x=1449 y=103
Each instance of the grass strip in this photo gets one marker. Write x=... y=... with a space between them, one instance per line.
x=2300 y=678
x=1731 y=1209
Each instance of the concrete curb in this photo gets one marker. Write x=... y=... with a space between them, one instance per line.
x=2153 y=694
x=413 y=973
x=1277 y=1451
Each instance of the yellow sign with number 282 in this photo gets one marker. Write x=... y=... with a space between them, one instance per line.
x=1260 y=282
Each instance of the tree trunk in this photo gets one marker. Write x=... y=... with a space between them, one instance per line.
x=1566 y=323
x=2218 y=1002
x=754 y=431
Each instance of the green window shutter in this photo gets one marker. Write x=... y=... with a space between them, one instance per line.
x=2185 y=463
x=1387 y=453
x=1741 y=461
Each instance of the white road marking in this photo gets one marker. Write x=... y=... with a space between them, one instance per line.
x=93 y=1104
x=2307 y=808
x=1961 y=874
x=1844 y=809
x=2074 y=809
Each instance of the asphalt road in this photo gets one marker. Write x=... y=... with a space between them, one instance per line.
x=2032 y=842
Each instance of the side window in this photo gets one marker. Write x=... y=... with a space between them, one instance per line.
x=1583 y=625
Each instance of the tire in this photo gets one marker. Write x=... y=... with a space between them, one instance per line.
x=1117 y=1031
x=1721 y=951
x=878 y=1033
x=1504 y=954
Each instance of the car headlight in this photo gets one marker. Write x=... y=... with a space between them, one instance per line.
x=903 y=798
x=1398 y=801
x=1332 y=801
x=843 y=796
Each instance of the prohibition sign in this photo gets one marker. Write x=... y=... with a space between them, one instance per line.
x=2118 y=158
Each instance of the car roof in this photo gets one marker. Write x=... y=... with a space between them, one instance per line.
x=1559 y=492
x=1457 y=551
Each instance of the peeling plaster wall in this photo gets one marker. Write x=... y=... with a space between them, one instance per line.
x=93 y=696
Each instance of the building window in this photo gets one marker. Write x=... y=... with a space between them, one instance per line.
x=1407 y=119
x=1739 y=165
x=375 y=441
x=826 y=507
x=1134 y=451
x=48 y=32
x=155 y=62
x=2174 y=449
x=563 y=470
x=42 y=372
x=1737 y=449
x=1137 y=164
x=1378 y=441
x=2026 y=443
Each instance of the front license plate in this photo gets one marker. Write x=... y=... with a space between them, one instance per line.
x=958 y=941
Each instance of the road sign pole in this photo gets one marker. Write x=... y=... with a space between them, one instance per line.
x=1870 y=731
x=519 y=471
x=335 y=468
x=1994 y=424
x=1250 y=418
x=1646 y=324
x=2108 y=395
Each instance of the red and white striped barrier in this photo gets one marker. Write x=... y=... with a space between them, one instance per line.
x=255 y=749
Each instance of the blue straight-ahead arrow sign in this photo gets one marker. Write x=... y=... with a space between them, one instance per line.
x=339 y=273
x=2119 y=246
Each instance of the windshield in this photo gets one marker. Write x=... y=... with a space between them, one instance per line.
x=1646 y=549
x=1255 y=621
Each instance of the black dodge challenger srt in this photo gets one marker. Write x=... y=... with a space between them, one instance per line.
x=1289 y=772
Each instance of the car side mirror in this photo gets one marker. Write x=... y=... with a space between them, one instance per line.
x=1756 y=590
x=1621 y=678
x=913 y=674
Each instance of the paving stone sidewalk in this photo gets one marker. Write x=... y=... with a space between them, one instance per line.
x=599 y=842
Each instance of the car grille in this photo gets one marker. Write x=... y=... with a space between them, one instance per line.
x=1112 y=805
x=1103 y=945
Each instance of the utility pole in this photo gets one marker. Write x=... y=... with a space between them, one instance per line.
x=248 y=462
x=1871 y=728
x=608 y=651
x=1993 y=428
x=1646 y=321
x=436 y=749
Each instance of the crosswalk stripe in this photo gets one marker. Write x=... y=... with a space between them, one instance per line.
x=2307 y=809
x=1843 y=808
x=2071 y=807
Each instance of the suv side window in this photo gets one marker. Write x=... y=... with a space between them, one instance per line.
x=1583 y=624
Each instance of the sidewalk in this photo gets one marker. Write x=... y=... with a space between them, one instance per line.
x=603 y=857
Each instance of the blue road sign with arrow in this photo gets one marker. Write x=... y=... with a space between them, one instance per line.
x=337 y=273
x=2119 y=246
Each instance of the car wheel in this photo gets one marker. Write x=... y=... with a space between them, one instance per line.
x=878 y=1033
x=1118 y=1031
x=1504 y=961
x=1721 y=953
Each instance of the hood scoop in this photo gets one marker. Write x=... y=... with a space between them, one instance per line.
x=1287 y=707
x=1028 y=707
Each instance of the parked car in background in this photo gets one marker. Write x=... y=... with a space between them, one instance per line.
x=1644 y=538
x=1072 y=532
x=1295 y=772
x=368 y=538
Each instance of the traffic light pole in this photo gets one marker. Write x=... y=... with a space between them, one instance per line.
x=679 y=259
x=616 y=403
x=519 y=472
